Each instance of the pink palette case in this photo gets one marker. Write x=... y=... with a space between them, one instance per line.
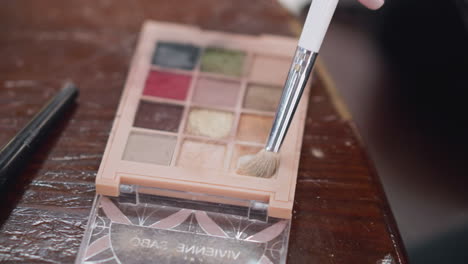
x=196 y=102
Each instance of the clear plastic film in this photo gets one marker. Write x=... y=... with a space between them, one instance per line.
x=139 y=228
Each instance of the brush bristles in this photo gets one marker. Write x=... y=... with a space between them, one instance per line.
x=263 y=164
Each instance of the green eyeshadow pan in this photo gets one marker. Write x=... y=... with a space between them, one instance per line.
x=223 y=61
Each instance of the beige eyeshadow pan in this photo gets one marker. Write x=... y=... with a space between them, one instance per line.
x=199 y=154
x=150 y=148
x=192 y=140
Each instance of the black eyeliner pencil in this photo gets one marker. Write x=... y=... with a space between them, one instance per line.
x=15 y=154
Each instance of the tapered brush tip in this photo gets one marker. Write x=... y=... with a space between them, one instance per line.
x=264 y=164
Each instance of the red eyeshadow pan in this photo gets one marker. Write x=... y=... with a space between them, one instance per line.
x=167 y=85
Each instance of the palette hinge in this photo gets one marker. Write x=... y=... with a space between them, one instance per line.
x=253 y=210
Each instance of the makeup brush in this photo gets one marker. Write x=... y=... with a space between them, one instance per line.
x=14 y=155
x=265 y=163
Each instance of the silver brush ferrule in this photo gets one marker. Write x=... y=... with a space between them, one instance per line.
x=298 y=75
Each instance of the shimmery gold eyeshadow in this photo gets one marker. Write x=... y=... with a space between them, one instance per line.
x=201 y=154
x=209 y=123
x=254 y=128
x=150 y=148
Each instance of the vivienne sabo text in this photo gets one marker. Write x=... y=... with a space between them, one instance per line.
x=183 y=248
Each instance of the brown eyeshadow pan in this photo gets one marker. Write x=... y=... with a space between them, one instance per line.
x=159 y=116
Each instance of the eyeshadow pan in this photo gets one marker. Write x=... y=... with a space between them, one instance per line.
x=222 y=61
x=176 y=55
x=241 y=153
x=149 y=148
x=210 y=123
x=254 y=128
x=262 y=97
x=201 y=154
x=159 y=116
x=167 y=85
x=214 y=92
x=269 y=70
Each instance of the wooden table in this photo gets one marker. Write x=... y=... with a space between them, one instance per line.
x=341 y=213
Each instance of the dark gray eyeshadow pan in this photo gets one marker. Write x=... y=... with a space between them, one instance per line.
x=176 y=55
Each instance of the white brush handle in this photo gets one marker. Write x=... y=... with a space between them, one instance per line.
x=315 y=27
x=316 y=24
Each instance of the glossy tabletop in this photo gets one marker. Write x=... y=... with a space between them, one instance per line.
x=341 y=214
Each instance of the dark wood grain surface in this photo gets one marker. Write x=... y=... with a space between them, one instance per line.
x=341 y=214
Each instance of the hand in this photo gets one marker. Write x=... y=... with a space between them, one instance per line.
x=372 y=4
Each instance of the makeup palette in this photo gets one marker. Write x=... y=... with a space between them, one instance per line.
x=196 y=104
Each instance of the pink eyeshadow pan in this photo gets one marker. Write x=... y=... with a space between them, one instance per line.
x=216 y=92
x=167 y=85
x=269 y=70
